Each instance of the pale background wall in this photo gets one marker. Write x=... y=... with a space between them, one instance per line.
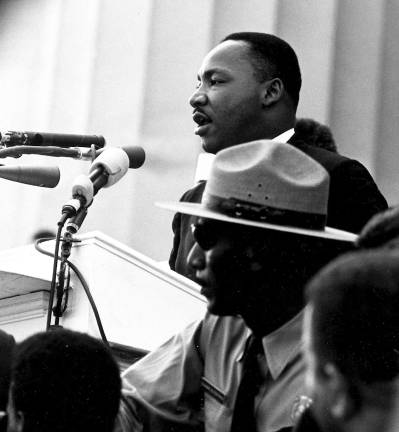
x=126 y=68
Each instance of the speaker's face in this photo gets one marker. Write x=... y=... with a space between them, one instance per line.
x=227 y=104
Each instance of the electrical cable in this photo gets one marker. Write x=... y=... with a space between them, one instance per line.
x=82 y=281
x=54 y=277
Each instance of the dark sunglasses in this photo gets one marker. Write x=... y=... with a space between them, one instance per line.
x=205 y=235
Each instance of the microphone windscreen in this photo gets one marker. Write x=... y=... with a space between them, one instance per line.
x=114 y=161
x=136 y=156
x=32 y=175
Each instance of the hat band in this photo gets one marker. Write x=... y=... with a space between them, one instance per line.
x=256 y=212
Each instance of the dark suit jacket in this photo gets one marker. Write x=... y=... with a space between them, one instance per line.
x=354 y=198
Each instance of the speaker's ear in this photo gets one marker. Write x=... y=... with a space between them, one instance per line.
x=272 y=91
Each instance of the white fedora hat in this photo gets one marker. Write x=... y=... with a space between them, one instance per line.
x=269 y=185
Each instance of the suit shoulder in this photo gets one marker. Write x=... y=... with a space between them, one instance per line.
x=326 y=158
x=195 y=193
x=337 y=165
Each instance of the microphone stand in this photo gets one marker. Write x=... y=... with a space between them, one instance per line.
x=54 y=276
x=61 y=287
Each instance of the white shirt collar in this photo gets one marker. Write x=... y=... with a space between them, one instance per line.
x=205 y=160
x=281 y=346
x=285 y=136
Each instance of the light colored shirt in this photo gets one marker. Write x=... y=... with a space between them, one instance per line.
x=204 y=161
x=192 y=379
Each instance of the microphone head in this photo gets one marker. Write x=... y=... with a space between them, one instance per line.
x=136 y=156
x=114 y=161
x=32 y=175
x=83 y=187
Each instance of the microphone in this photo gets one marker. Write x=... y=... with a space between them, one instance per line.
x=107 y=169
x=112 y=164
x=44 y=139
x=32 y=175
x=135 y=154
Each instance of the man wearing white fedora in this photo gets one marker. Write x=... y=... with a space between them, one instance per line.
x=260 y=235
x=248 y=89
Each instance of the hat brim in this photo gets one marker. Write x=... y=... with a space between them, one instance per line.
x=197 y=210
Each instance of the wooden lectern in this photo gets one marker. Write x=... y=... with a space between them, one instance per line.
x=141 y=303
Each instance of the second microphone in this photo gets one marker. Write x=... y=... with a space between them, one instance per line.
x=107 y=169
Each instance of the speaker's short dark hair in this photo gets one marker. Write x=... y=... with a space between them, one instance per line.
x=65 y=381
x=272 y=57
x=355 y=322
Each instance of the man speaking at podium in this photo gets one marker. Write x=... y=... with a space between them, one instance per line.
x=248 y=89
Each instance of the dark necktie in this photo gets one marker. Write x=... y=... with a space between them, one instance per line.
x=243 y=416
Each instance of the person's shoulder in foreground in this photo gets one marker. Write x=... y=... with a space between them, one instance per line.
x=63 y=381
x=190 y=382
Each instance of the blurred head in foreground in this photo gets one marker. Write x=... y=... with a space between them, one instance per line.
x=63 y=381
x=351 y=339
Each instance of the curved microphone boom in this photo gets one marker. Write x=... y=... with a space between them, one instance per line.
x=72 y=152
x=32 y=175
